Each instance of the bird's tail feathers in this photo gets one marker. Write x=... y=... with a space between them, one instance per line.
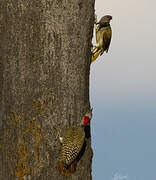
x=95 y=53
x=66 y=170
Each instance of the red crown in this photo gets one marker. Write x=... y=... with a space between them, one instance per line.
x=86 y=120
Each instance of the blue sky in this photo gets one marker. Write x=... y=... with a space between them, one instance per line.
x=123 y=94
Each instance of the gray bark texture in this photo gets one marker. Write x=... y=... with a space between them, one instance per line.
x=44 y=84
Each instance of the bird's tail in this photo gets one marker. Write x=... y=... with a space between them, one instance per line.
x=95 y=53
x=66 y=170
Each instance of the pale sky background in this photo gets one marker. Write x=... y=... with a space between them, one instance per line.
x=123 y=94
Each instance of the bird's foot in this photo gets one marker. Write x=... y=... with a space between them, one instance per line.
x=95 y=19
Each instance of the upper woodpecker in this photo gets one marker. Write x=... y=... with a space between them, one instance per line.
x=72 y=143
x=103 y=36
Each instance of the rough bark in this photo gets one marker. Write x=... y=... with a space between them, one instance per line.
x=44 y=84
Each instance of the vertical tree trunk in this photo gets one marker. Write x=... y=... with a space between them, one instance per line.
x=44 y=84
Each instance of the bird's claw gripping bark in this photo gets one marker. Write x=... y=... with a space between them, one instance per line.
x=95 y=19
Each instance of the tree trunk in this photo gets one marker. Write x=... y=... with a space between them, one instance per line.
x=44 y=84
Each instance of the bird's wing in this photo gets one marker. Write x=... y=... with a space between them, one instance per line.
x=73 y=142
x=107 y=34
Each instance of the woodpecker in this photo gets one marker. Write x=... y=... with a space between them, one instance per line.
x=103 y=37
x=72 y=143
